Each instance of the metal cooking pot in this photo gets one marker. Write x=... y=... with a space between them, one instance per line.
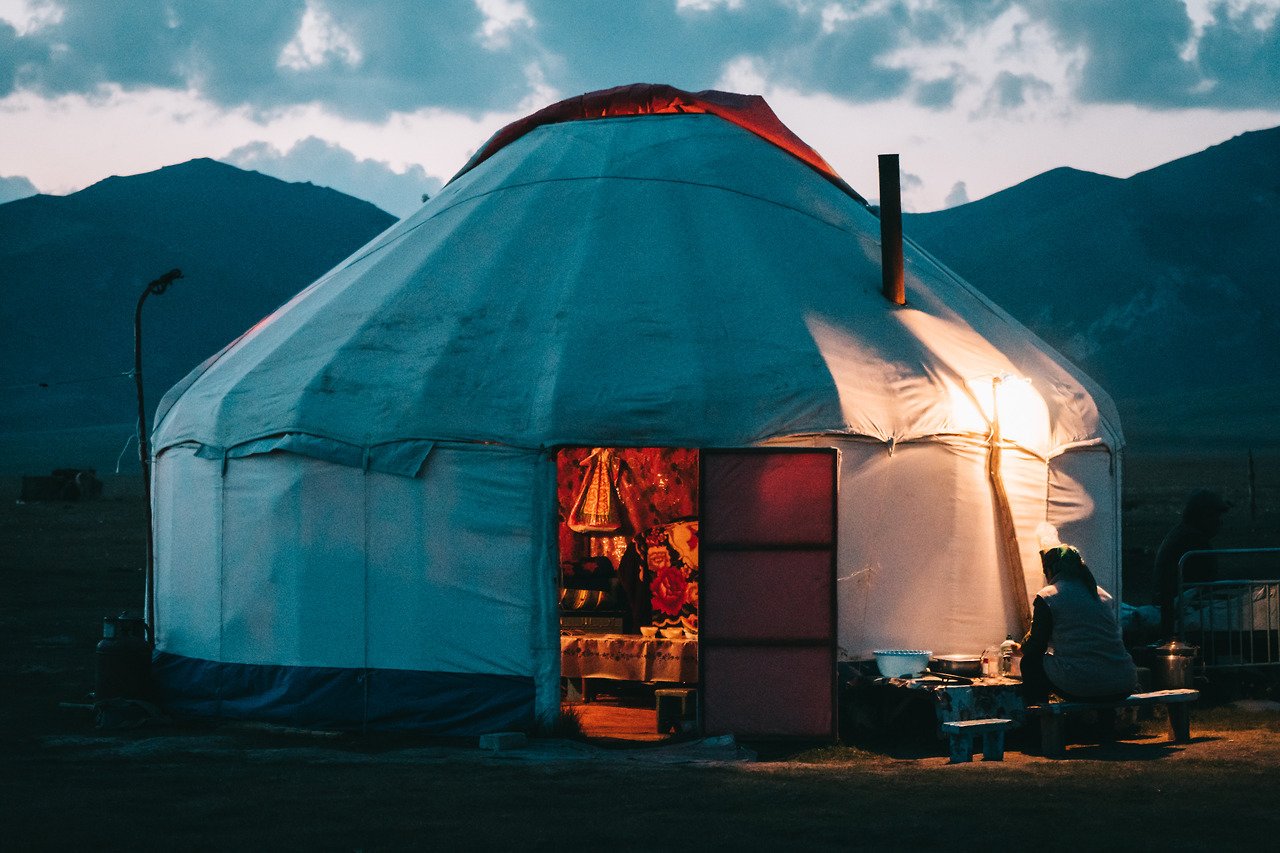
x=1171 y=666
x=966 y=665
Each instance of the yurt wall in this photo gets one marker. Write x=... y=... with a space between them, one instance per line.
x=311 y=576
x=1084 y=507
x=920 y=562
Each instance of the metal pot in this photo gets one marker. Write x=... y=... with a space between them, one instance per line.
x=1171 y=666
x=966 y=665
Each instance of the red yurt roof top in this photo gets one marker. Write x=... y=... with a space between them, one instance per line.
x=749 y=112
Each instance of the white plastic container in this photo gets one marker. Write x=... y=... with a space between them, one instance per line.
x=901 y=663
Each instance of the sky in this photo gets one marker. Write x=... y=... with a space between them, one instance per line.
x=386 y=99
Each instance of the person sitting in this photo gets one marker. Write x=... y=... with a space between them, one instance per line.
x=1074 y=646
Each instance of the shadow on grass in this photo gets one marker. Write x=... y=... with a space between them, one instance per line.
x=1123 y=751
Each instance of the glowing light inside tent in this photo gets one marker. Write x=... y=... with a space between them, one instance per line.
x=1011 y=401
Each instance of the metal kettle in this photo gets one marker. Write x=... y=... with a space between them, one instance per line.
x=1171 y=666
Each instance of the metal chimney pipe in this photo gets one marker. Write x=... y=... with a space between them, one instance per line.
x=893 y=286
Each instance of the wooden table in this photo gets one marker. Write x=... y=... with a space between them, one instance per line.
x=954 y=701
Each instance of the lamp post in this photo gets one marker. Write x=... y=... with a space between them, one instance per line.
x=159 y=286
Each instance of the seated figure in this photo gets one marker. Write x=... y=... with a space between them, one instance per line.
x=1074 y=647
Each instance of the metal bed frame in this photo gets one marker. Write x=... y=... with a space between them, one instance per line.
x=1239 y=620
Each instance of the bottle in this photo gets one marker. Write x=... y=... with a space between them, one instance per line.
x=1006 y=655
x=990 y=662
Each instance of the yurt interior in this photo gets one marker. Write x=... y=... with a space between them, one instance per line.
x=628 y=584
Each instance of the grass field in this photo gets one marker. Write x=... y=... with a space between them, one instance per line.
x=62 y=785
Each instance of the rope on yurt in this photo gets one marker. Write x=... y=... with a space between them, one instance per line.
x=1015 y=575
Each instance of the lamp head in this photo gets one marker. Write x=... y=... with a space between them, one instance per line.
x=161 y=284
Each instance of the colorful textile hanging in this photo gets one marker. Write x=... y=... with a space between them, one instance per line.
x=670 y=559
x=596 y=509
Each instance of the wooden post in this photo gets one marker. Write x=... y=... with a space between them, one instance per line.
x=1053 y=734
x=892 y=282
x=1179 y=722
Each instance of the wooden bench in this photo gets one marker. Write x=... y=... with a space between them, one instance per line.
x=1053 y=715
x=963 y=732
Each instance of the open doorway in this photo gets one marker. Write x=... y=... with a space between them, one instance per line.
x=628 y=590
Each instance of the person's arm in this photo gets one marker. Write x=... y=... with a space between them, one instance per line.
x=1036 y=642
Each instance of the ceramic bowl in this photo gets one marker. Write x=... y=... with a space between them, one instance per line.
x=648 y=631
x=673 y=633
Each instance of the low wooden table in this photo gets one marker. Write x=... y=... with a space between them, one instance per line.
x=956 y=701
x=629 y=657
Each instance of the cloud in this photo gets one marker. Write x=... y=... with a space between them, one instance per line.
x=937 y=94
x=331 y=165
x=368 y=59
x=1239 y=55
x=613 y=42
x=959 y=195
x=16 y=53
x=1011 y=91
x=359 y=58
x=15 y=187
x=1153 y=53
x=1133 y=50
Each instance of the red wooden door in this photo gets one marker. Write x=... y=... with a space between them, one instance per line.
x=767 y=607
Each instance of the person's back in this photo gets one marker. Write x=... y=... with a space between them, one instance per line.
x=1086 y=656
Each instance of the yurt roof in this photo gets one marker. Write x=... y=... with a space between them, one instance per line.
x=662 y=278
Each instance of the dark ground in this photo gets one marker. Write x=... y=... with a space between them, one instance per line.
x=63 y=785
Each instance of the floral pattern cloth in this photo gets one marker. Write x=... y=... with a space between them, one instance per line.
x=669 y=561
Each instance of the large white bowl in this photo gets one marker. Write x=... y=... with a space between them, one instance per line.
x=901 y=663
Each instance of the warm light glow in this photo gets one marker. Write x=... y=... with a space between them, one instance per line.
x=1011 y=401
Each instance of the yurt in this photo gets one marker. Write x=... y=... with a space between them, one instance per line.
x=626 y=399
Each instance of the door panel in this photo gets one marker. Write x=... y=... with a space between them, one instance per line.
x=769 y=692
x=767 y=606
x=775 y=497
x=773 y=595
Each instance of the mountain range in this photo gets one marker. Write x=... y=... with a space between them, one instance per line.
x=72 y=268
x=1162 y=286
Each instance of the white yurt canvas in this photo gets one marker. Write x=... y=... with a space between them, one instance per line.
x=354 y=502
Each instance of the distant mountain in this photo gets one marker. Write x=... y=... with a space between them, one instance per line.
x=1165 y=286
x=72 y=268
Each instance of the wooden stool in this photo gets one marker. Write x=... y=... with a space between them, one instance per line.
x=962 y=733
x=1053 y=715
x=675 y=706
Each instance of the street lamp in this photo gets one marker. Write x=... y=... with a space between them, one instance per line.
x=159 y=286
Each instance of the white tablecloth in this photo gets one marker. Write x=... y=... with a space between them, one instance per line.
x=628 y=657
